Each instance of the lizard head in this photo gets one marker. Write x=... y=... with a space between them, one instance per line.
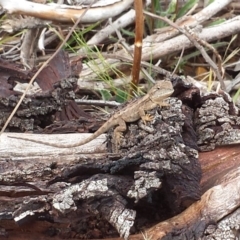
x=161 y=90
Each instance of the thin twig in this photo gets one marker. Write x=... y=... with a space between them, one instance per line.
x=195 y=42
x=199 y=43
x=97 y=103
x=41 y=68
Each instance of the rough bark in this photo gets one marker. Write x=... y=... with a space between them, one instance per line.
x=89 y=192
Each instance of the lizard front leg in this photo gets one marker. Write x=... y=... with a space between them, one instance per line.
x=117 y=134
x=148 y=117
x=163 y=103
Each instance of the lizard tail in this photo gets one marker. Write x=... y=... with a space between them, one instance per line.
x=58 y=145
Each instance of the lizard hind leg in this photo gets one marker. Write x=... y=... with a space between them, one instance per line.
x=118 y=133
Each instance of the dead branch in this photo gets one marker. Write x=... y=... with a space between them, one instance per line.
x=156 y=50
x=65 y=13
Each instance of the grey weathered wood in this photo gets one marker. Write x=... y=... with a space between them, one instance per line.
x=20 y=149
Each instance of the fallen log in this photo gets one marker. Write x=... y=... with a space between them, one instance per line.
x=90 y=192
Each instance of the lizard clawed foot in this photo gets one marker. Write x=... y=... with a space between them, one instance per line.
x=117 y=136
x=147 y=118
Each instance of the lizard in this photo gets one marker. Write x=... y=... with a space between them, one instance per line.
x=130 y=113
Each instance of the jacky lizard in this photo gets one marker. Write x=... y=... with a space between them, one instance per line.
x=131 y=113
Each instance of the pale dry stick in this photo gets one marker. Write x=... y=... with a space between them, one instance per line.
x=192 y=21
x=197 y=45
x=66 y=13
x=29 y=44
x=123 y=21
x=41 y=68
x=101 y=103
